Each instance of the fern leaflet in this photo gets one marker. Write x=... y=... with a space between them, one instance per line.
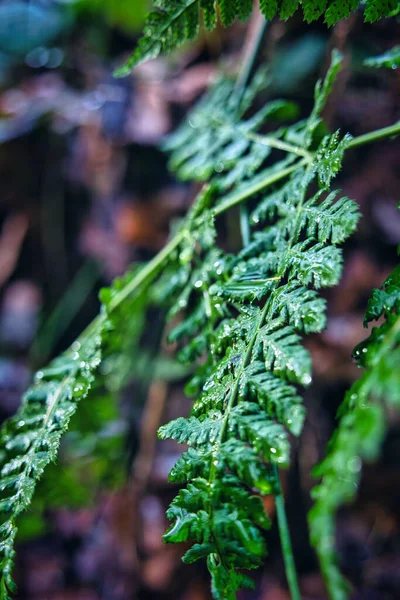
x=244 y=318
x=30 y=440
x=173 y=22
x=361 y=427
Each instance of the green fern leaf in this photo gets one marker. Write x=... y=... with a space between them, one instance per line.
x=193 y=431
x=288 y=8
x=339 y=9
x=245 y=314
x=209 y=13
x=384 y=300
x=322 y=92
x=244 y=9
x=31 y=439
x=302 y=307
x=361 y=428
x=173 y=22
x=170 y=26
x=324 y=220
x=269 y=8
x=278 y=399
x=227 y=11
x=329 y=157
x=313 y=9
x=377 y=9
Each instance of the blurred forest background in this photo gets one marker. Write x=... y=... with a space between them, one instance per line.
x=85 y=192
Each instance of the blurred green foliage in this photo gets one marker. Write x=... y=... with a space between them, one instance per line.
x=126 y=14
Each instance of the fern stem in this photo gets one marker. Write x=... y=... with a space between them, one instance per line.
x=148 y=271
x=244 y=224
x=373 y=136
x=151 y=268
x=238 y=197
x=235 y=388
x=284 y=535
x=272 y=142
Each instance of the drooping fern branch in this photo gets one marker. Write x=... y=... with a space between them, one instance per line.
x=244 y=318
x=173 y=22
x=361 y=428
x=30 y=440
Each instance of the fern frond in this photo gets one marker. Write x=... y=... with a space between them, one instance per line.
x=244 y=318
x=227 y=10
x=31 y=438
x=166 y=28
x=220 y=143
x=211 y=142
x=174 y=22
x=361 y=428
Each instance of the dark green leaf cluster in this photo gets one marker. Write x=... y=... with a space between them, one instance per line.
x=361 y=427
x=173 y=22
x=91 y=454
x=30 y=440
x=216 y=142
x=244 y=318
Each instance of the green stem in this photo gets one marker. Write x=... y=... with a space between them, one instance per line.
x=237 y=197
x=284 y=535
x=272 y=142
x=235 y=389
x=373 y=136
x=148 y=272
x=244 y=224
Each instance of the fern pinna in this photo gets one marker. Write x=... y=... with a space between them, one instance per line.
x=361 y=428
x=172 y=22
x=244 y=318
x=30 y=440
